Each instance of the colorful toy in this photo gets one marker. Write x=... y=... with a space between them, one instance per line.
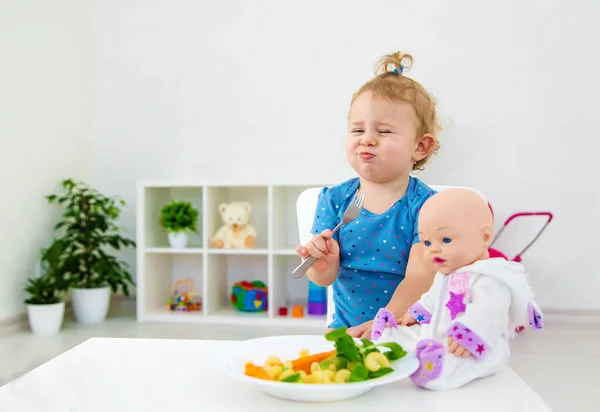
x=317 y=299
x=184 y=296
x=250 y=296
x=298 y=311
x=236 y=232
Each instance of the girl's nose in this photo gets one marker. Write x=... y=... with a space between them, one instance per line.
x=368 y=139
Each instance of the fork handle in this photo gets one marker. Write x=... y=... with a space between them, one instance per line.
x=303 y=267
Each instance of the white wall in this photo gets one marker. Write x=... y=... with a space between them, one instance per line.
x=252 y=91
x=45 y=127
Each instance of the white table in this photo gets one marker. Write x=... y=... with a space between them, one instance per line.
x=165 y=375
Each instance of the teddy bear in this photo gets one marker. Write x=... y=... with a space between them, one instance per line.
x=237 y=232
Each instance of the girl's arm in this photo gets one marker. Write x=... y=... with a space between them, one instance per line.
x=417 y=280
x=326 y=277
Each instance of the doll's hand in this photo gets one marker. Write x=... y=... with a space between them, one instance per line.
x=456 y=349
x=323 y=247
x=407 y=320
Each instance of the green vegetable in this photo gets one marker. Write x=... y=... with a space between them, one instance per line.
x=359 y=373
x=295 y=378
x=350 y=354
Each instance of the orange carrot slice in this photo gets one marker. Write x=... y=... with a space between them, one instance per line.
x=303 y=364
x=256 y=371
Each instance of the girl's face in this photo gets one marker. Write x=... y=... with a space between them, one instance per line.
x=382 y=143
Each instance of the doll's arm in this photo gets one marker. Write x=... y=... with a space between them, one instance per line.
x=484 y=319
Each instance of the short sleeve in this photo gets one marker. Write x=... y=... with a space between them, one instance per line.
x=326 y=212
x=422 y=194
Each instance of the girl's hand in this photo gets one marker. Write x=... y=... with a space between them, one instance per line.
x=456 y=349
x=407 y=320
x=361 y=331
x=323 y=247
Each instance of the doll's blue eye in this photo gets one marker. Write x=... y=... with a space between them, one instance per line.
x=447 y=240
x=427 y=243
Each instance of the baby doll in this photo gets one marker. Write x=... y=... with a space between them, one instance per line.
x=460 y=329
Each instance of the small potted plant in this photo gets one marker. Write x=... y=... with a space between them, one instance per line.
x=178 y=218
x=45 y=304
x=89 y=233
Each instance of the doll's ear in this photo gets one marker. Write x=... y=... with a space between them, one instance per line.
x=488 y=235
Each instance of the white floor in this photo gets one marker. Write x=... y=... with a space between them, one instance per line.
x=561 y=362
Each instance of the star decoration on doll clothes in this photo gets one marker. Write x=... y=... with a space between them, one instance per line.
x=459 y=288
x=480 y=349
x=456 y=304
x=384 y=319
x=460 y=283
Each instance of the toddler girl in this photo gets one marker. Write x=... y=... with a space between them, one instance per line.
x=377 y=261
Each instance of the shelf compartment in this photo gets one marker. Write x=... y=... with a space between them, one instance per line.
x=154 y=198
x=223 y=270
x=289 y=292
x=257 y=196
x=284 y=228
x=162 y=270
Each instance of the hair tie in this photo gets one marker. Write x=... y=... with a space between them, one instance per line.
x=401 y=70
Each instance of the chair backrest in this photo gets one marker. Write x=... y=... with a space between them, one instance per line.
x=305 y=210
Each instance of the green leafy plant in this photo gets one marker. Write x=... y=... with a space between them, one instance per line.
x=89 y=234
x=50 y=287
x=42 y=291
x=179 y=216
x=363 y=360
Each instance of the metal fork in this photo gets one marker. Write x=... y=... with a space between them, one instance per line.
x=349 y=215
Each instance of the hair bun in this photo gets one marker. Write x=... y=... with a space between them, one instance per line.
x=397 y=62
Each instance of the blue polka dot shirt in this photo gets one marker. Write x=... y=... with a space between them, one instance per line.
x=374 y=249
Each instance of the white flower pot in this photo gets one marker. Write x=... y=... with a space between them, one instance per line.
x=91 y=305
x=46 y=320
x=178 y=240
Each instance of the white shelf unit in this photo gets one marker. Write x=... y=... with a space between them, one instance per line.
x=272 y=260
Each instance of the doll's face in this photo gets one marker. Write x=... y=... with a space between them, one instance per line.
x=454 y=232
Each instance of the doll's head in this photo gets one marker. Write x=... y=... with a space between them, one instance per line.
x=456 y=228
x=392 y=124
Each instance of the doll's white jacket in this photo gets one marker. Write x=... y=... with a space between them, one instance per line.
x=477 y=305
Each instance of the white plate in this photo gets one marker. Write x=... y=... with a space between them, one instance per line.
x=232 y=361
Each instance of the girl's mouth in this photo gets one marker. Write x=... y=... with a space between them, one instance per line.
x=438 y=261
x=366 y=155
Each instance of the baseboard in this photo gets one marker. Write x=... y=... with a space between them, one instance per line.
x=13 y=325
x=20 y=323
x=581 y=316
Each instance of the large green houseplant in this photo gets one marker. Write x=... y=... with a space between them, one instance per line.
x=45 y=292
x=89 y=236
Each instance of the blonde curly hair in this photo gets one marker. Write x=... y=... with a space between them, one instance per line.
x=390 y=82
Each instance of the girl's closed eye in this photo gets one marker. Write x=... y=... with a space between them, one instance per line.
x=357 y=131
x=385 y=131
